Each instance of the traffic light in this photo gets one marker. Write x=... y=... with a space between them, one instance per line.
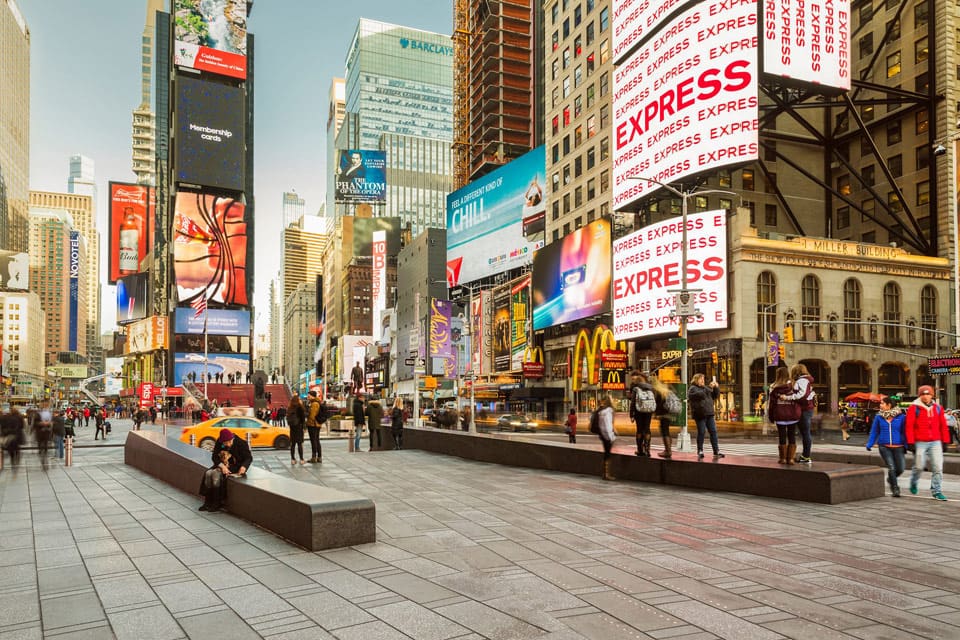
x=714 y=357
x=783 y=352
x=788 y=334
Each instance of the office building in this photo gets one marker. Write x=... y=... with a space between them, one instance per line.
x=82 y=179
x=293 y=208
x=299 y=337
x=276 y=324
x=302 y=245
x=14 y=127
x=144 y=117
x=23 y=331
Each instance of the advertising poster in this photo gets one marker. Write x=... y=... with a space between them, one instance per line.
x=113 y=385
x=808 y=41
x=74 y=302
x=571 y=277
x=486 y=234
x=132 y=207
x=440 y=338
x=378 y=288
x=364 y=228
x=520 y=322
x=14 y=271
x=686 y=101
x=501 y=330
x=190 y=366
x=352 y=350
x=209 y=248
x=220 y=322
x=132 y=297
x=147 y=335
x=211 y=35
x=361 y=176
x=646 y=267
x=635 y=20
x=210 y=143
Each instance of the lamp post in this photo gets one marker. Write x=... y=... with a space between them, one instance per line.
x=683 y=311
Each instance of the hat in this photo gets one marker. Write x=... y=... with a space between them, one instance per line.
x=925 y=389
x=225 y=436
x=312 y=393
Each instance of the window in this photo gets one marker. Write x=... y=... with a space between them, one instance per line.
x=766 y=303
x=865 y=44
x=896 y=165
x=893 y=64
x=555 y=69
x=852 y=311
x=590 y=95
x=770 y=215
x=604 y=84
x=604 y=51
x=920 y=13
x=566 y=145
x=556 y=153
x=868 y=173
x=923 y=157
x=578 y=197
x=843 y=217
x=770 y=182
x=555 y=40
x=604 y=116
x=747 y=177
x=921 y=48
x=577 y=107
x=566 y=28
x=590 y=33
x=556 y=181
x=923 y=121
x=566 y=57
x=923 y=192
x=556 y=125
x=894 y=27
x=577 y=16
x=590 y=65
x=591 y=126
x=566 y=174
x=591 y=188
x=928 y=316
x=725 y=178
x=866 y=11
x=554 y=13
x=578 y=76
x=591 y=158
x=566 y=204
x=604 y=19
x=700 y=203
x=604 y=149
x=604 y=182
x=770 y=151
x=726 y=204
x=556 y=209
x=577 y=46
x=894 y=135
x=891 y=314
x=866 y=112
x=555 y=97
x=566 y=87
x=566 y=116
x=810 y=311
x=589 y=5
x=921 y=83
x=577 y=136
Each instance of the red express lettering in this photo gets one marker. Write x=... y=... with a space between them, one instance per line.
x=666 y=276
x=770 y=19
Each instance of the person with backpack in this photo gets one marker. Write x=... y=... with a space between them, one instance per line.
x=888 y=432
x=643 y=404
x=604 y=418
x=396 y=423
x=928 y=433
x=701 y=399
x=316 y=416
x=785 y=413
x=668 y=408
x=806 y=397
x=374 y=420
x=570 y=426
x=296 y=420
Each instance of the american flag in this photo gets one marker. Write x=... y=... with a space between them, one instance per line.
x=199 y=306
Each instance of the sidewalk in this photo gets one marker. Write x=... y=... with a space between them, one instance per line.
x=467 y=551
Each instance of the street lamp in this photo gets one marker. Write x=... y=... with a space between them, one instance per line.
x=683 y=311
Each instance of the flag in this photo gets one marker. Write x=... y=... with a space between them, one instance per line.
x=199 y=306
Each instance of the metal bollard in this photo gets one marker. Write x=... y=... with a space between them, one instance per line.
x=249 y=438
x=350 y=439
x=68 y=451
x=193 y=439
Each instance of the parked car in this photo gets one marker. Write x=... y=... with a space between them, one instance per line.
x=516 y=422
x=261 y=433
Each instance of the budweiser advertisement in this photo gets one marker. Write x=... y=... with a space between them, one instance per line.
x=808 y=41
x=647 y=272
x=686 y=101
x=132 y=208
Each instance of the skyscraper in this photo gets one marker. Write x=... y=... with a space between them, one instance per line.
x=14 y=127
x=293 y=208
x=144 y=118
x=82 y=179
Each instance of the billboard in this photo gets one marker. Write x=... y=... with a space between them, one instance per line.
x=378 y=285
x=808 y=42
x=211 y=36
x=210 y=143
x=646 y=267
x=353 y=349
x=635 y=20
x=147 y=335
x=133 y=293
x=220 y=322
x=364 y=228
x=132 y=208
x=486 y=234
x=209 y=248
x=501 y=330
x=192 y=366
x=519 y=322
x=441 y=345
x=571 y=277
x=361 y=176
x=14 y=271
x=686 y=101
x=113 y=385
x=73 y=307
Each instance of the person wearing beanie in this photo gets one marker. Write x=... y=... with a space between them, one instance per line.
x=927 y=432
x=213 y=488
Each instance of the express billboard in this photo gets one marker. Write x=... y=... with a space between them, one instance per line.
x=14 y=271
x=220 y=322
x=808 y=41
x=132 y=208
x=636 y=20
x=647 y=267
x=211 y=36
x=571 y=277
x=686 y=101
x=133 y=293
x=209 y=248
x=485 y=220
x=210 y=144
x=361 y=176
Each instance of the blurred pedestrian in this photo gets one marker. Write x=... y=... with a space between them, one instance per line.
x=11 y=434
x=396 y=423
x=296 y=420
x=643 y=404
x=888 y=432
x=607 y=433
x=316 y=416
x=59 y=429
x=358 y=420
x=570 y=426
x=374 y=421
x=701 y=399
x=806 y=397
x=668 y=408
x=928 y=433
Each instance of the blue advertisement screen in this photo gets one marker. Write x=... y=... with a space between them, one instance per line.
x=220 y=322
x=191 y=366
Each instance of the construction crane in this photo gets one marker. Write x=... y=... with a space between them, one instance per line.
x=461 y=92
x=86 y=381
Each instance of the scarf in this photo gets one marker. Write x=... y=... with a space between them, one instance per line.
x=890 y=414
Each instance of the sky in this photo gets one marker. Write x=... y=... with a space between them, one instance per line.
x=85 y=82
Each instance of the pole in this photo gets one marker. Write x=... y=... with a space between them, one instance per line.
x=205 y=353
x=68 y=451
x=473 y=376
x=683 y=440
x=416 y=364
x=766 y=371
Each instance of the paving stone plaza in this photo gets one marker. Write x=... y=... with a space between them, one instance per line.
x=468 y=550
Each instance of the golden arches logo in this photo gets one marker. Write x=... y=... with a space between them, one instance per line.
x=590 y=348
x=533 y=354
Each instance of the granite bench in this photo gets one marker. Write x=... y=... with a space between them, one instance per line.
x=310 y=515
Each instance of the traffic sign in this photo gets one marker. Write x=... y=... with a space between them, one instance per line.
x=410 y=362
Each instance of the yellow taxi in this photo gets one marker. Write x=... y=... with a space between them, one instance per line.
x=261 y=433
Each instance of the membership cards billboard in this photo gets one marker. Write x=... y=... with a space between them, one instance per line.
x=686 y=101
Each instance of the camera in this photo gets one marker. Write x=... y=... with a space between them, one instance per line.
x=939 y=150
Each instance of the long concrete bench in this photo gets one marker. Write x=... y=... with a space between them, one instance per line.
x=312 y=516
x=822 y=482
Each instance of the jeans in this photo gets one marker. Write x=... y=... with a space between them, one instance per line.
x=707 y=424
x=315 y=451
x=58 y=445
x=786 y=433
x=357 y=434
x=921 y=449
x=805 y=419
x=896 y=459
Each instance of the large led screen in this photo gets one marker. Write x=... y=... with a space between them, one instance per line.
x=210 y=143
x=132 y=297
x=647 y=267
x=571 y=277
x=209 y=248
x=494 y=224
x=192 y=366
x=361 y=176
x=364 y=228
x=211 y=35
x=808 y=41
x=686 y=101
x=14 y=271
x=635 y=20
x=220 y=322
x=132 y=207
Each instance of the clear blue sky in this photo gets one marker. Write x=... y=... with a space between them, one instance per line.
x=85 y=82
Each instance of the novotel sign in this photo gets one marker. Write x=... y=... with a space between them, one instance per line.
x=74 y=254
x=686 y=101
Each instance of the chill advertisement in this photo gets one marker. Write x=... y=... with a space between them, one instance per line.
x=132 y=207
x=808 y=41
x=571 y=277
x=361 y=176
x=210 y=142
x=495 y=223
x=211 y=35
x=520 y=322
x=686 y=101
x=647 y=273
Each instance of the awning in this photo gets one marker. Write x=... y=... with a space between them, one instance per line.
x=556 y=393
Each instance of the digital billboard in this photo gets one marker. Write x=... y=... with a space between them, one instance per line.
x=210 y=144
x=364 y=228
x=113 y=385
x=808 y=41
x=519 y=321
x=14 y=271
x=191 y=366
x=635 y=20
x=132 y=297
x=501 y=329
x=647 y=266
x=132 y=207
x=571 y=277
x=73 y=307
x=378 y=281
x=486 y=233
x=209 y=248
x=220 y=322
x=686 y=101
x=211 y=36
x=361 y=176
x=147 y=335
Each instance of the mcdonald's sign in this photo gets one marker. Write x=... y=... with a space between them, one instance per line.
x=613 y=380
x=590 y=349
x=533 y=366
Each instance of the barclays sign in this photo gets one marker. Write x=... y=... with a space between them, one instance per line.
x=427 y=47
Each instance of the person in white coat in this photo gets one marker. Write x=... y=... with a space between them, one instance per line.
x=607 y=434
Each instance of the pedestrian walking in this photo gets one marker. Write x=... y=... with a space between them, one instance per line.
x=11 y=434
x=607 y=433
x=806 y=397
x=643 y=404
x=296 y=420
x=86 y=416
x=888 y=432
x=784 y=413
x=927 y=431
x=396 y=423
x=101 y=426
x=701 y=399
x=59 y=429
x=570 y=426
x=668 y=408
x=374 y=421
x=844 y=423
x=315 y=417
x=358 y=421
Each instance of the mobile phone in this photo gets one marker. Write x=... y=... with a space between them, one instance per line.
x=714 y=379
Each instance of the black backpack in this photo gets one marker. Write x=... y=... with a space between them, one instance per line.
x=595 y=421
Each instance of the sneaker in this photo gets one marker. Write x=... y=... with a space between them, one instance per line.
x=718 y=455
x=896 y=492
x=803 y=460
x=939 y=496
x=203 y=507
x=700 y=454
x=913 y=489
